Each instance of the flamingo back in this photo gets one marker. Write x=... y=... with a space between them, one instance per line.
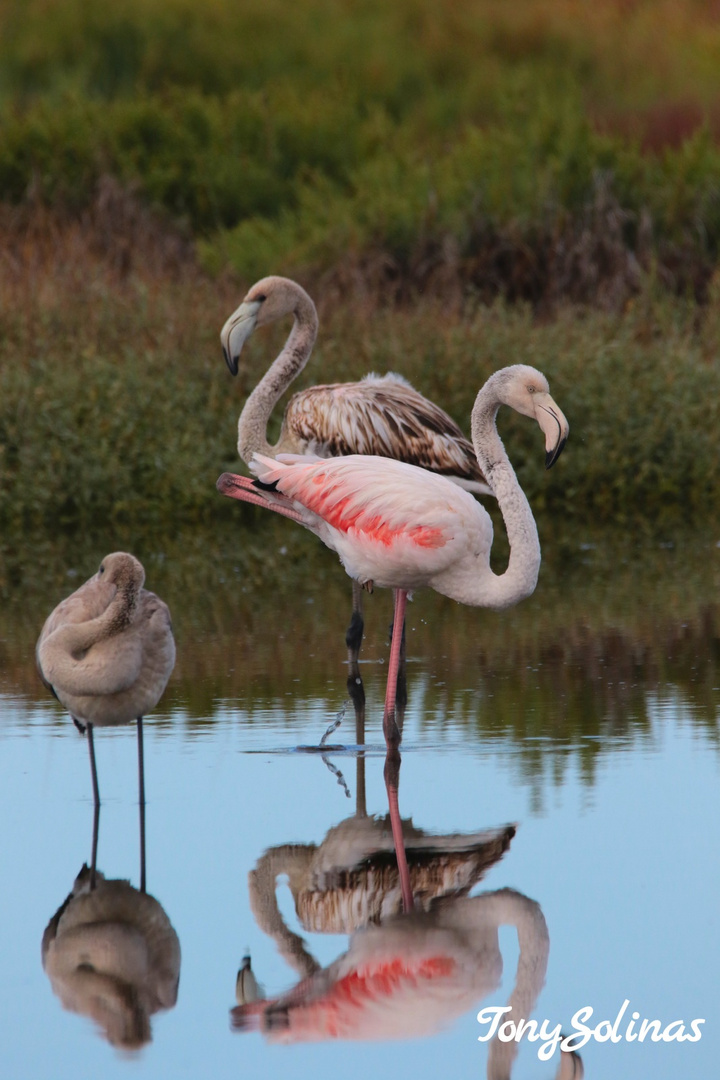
x=382 y=416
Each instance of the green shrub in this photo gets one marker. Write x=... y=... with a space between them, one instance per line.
x=117 y=407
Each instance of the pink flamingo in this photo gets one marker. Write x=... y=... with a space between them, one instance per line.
x=401 y=527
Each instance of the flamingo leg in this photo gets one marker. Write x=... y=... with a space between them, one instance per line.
x=141 y=800
x=392 y=784
x=401 y=692
x=93 y=856
x=390 y=726
x=93 y=765
x=392 y=739
x=356 y=690
x=354 y=634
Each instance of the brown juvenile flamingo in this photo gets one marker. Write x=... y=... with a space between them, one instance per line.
x=107 y=651
x=381 y=415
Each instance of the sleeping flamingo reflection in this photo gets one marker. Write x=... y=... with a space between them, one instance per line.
x=400 y=527
x=380 y=415
x=111 y=953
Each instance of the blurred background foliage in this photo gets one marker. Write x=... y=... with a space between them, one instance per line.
x=298 y=134
x=460 y=186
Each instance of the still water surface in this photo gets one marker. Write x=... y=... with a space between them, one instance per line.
x=585 y=721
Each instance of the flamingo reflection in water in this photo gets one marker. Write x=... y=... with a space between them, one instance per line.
x=404 y=974
x=351 y=879
x=411 y=975
x=111 y=954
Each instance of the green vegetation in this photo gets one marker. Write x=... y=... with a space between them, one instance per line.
x=116 y=406
x=460 y=186
x=474 y=138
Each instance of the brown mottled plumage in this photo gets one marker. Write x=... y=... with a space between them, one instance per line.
x=351 y=879
x=383 y=416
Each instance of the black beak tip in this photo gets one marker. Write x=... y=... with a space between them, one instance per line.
x=551 y=456
x=231 y=362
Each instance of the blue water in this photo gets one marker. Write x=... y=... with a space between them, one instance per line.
x=621 y=857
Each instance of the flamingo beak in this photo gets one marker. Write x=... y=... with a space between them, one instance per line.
x=554 y=425
x=229 y=483
x=248 y=1017
x=247 y=988
x=237 y=330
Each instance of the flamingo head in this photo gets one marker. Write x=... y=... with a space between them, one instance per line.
x=122 y=570
x=526 y=390
x=269 y=299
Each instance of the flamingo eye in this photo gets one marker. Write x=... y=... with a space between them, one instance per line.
x=261 y=298
x=102 y=569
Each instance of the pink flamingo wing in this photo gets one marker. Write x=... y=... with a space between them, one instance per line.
x=381 y=499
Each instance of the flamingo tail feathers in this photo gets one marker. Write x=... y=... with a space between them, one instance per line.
x=246 y=490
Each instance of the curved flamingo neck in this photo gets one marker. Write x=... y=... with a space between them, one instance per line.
x=293 y=860
x=78 y=637
x=253 y=422
x=520 y=577
x=64 y=650
x=508 y=907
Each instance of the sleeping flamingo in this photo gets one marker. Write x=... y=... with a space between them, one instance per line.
x=401 y=527
x=382 y=416
x=107 y=651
